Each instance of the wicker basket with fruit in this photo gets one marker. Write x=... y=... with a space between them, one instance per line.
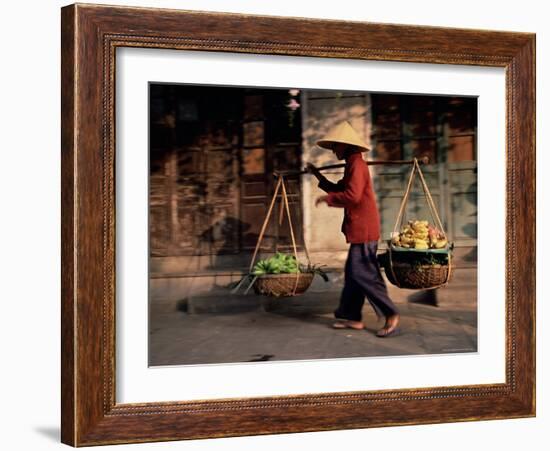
x=419 y=254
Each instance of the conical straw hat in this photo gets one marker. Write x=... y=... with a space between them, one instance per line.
x=343 y=133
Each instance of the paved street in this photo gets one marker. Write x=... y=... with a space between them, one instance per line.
x=216 y=327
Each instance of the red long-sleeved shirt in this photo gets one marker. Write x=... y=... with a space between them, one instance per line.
x=354 y=193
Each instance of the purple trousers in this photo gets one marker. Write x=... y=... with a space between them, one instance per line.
x=363 y=278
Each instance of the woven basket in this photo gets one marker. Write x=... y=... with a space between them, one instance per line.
x=408 y=268
x=418 y=277
x=404 y=268
x=280 y=285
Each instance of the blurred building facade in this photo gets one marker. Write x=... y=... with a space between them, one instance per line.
x=213 y=151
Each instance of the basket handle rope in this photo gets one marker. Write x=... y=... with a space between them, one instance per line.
x=280 y=185
x=285 y=199
x=429 y=200
x=398 y=220
x=266 y=221
x=260 y=237
x=433 y=212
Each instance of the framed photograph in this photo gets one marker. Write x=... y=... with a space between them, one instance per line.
x=278 y=225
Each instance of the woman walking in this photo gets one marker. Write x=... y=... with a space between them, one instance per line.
x=361 y=227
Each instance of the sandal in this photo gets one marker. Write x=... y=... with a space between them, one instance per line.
x=357 y=325
x=390 y=328
x=383 y=333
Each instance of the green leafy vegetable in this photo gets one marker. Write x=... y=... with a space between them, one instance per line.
x=278 y=264
x=285 y=264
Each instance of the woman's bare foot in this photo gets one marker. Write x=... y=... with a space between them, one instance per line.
x=347 y=324
x=390 y=327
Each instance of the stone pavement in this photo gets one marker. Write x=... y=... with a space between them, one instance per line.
x=217 y=327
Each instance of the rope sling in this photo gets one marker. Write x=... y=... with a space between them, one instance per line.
x=280 y=187
x=399 y=223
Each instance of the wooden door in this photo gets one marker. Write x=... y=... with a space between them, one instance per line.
x=194 y=170
x=212 y=156
x=271 y=142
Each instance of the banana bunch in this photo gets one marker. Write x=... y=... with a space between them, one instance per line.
x=420 y=235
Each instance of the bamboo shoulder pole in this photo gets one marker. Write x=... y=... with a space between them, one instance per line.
x=423 y=160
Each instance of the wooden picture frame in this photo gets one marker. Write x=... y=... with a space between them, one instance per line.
x=90 y=36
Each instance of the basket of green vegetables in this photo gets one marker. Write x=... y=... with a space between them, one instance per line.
x=281 y=275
